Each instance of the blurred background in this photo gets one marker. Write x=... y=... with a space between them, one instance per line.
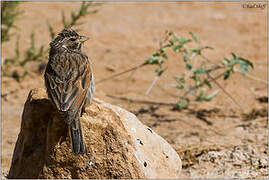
x=232 y=117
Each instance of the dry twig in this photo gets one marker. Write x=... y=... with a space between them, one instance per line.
x=141 y=101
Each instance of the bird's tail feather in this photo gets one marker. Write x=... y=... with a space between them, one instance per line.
x=78 y=146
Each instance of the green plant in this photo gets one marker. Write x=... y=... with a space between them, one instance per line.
x=9 y=14
x=197 y=78
x=33 y=52
x=75 y=16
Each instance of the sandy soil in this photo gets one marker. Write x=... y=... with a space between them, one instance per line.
x=214 y=139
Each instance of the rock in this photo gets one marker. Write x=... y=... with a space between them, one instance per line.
x=118 y=145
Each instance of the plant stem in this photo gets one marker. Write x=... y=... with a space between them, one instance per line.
x=251 y=77
x=121 y=73
x=193 y=87
x=141 y=101
x=224 y=91
x=152 y=84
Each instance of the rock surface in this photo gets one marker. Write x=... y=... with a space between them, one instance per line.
x=118 y=145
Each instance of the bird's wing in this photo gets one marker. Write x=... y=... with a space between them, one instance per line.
x=67 y=79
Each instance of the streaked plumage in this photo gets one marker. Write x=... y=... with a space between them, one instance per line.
x=69 y=82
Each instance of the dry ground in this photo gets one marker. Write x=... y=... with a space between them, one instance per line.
x=214 y=139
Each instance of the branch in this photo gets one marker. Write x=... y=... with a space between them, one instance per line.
x=193 y=87
x=251 y=77
x=224 y=91
x=121 y=73
x=152 y=84
x=245 y=123
x=141 y=101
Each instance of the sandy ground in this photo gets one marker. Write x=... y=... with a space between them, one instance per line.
x=225 y=142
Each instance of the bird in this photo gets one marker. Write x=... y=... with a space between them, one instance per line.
x=69 y=82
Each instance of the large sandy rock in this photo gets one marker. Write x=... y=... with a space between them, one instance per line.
x=118 y=145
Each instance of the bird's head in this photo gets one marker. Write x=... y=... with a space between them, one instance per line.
x=68 y=39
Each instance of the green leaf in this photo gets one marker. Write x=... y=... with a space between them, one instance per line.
x=199 y=49
x=188 y=66
x=200 y=97
x=208 y=83
x=180 y=86
x=234 y=56
x=180 y=79
x=212 y=95
x=185 y=57
x=196 y=50
x=181 y=82
x=169 y=32
x=227 y=74
x=184 y=40
x=244 y=68
x=164 y=56
x=204 y=97
x=166 y=46
x=152 y=60
x=160 y=62
x=225 y=61
x=194 y=37
x=183 y=103
x=213 y=68
x=246 y=61
x=244 y=65
x=198 y=83
x=232 y=63
x=208 y=47
x=194 y=77
x=159 y=71
x=156 y=54
x=177 y=47
x=197 y=80
x=174 y=40
x=201 y=70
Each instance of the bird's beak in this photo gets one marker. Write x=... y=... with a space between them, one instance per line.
x=82 y=39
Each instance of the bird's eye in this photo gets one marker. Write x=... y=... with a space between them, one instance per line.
x=72 y=39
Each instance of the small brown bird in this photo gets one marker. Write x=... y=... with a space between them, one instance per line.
x=69 y=81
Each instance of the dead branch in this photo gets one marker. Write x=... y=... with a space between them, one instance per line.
x=224 y=91
x=245 y=123
x=121 y=73
x=141 y=101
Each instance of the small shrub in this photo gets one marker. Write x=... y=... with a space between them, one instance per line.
x=197 y=79
x=75 y=16
x=34 y=53
x=9 y=15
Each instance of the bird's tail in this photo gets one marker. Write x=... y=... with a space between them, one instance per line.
x=78 y=146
